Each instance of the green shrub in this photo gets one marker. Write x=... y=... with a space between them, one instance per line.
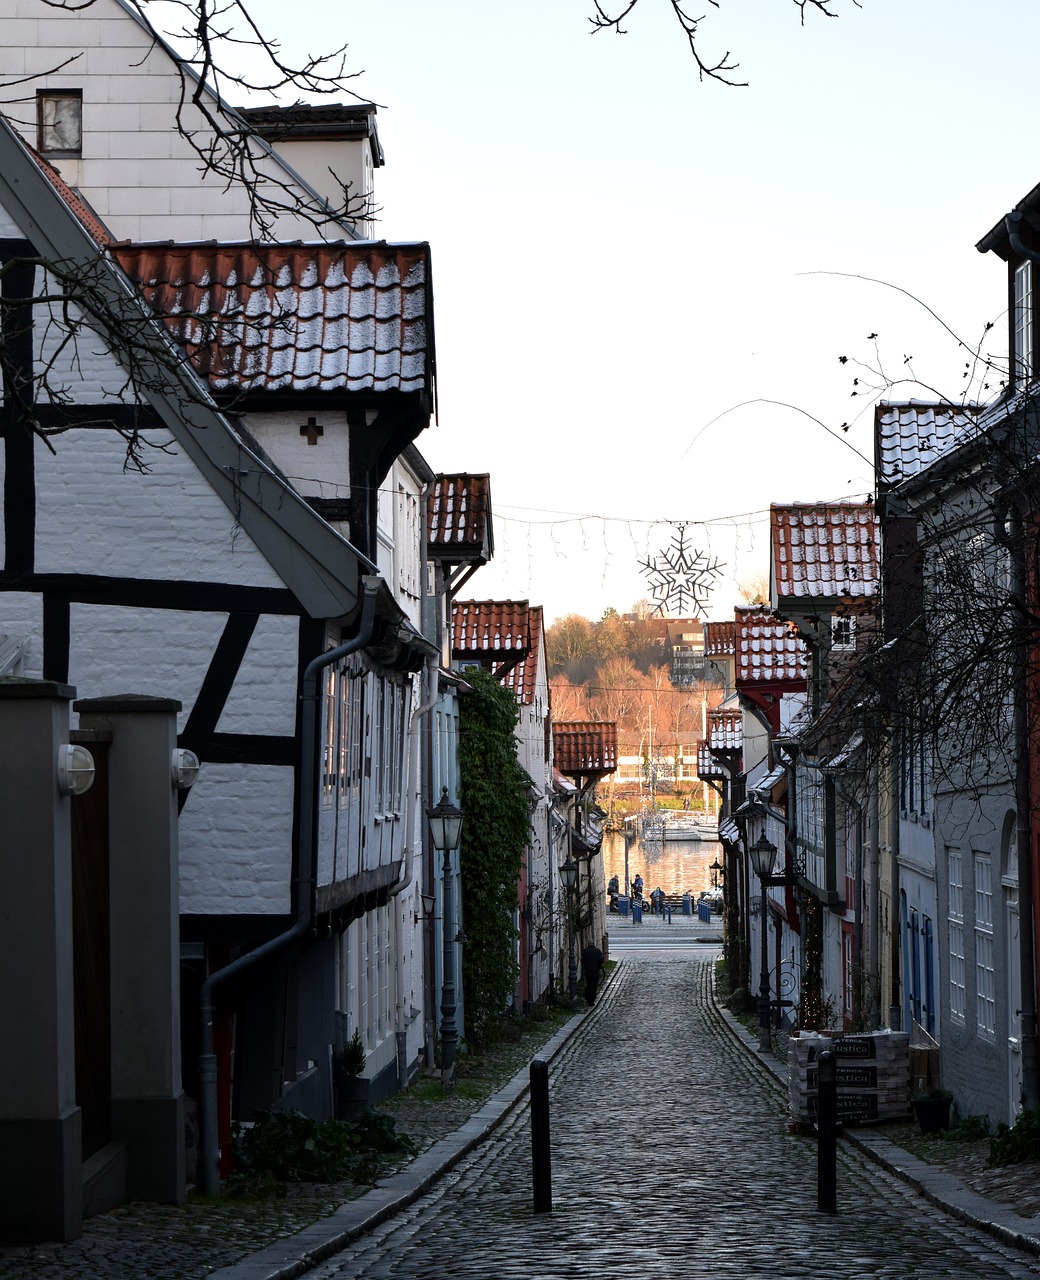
x=1014 y=1144
x=286 y=1146
x=970 y=1129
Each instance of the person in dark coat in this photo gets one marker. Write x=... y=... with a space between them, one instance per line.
x=591 y=967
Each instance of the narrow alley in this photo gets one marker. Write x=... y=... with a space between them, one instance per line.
x=671 y=1157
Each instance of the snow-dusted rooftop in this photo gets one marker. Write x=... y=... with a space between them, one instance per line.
x=585 y=746
x=726 y=730
x=490 y=628
x=458 y=517
x=911 y=436
x=769 y=650
x=824 y=550
x=719 y=639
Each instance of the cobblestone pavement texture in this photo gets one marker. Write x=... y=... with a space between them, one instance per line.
x=671 y=1156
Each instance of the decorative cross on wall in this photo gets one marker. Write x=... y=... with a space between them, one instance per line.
x=312 y=429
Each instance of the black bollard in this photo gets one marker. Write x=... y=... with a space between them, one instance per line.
x=827 y=1131
x=540 y=1160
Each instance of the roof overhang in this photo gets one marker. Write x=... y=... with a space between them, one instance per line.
x=316 y=563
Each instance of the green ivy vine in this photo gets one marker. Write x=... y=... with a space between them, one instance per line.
x=495 y=833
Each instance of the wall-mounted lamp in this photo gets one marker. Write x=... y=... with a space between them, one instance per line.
x=75 y=770
x=184 y=768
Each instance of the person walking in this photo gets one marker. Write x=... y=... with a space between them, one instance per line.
x=591 y=967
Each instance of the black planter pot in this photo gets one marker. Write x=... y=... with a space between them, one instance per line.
x=932 y=1114
x=351 y=1095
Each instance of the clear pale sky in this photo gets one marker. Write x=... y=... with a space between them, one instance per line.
x=621 y=253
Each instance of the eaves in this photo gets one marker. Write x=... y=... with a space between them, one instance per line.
x=316 y=563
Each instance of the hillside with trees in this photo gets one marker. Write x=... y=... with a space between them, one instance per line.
x=620 y=669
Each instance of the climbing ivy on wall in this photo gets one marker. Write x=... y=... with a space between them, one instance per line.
x=496 y=803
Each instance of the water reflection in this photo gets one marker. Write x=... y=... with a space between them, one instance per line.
x=677 y=866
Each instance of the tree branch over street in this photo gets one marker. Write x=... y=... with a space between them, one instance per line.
x=711 y=66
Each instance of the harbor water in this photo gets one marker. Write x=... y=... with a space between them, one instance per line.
x=676 y=866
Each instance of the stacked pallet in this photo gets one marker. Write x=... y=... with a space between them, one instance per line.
x=873 y=1075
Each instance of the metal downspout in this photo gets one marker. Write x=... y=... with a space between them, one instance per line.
x=306 y=889
x=873 y=837
x=857 y=926
x=1014 y=542
x=895 y=912
x=405 y=878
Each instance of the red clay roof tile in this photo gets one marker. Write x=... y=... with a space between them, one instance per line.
x=585 y=746
x=825 y=549
x=458 y=516
x=268 y=317
x=769 y=650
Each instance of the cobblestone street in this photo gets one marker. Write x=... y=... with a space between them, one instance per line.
x=671 y=1157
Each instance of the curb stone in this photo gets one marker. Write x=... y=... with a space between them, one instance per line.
x=939 y=1187
x=297 y=1254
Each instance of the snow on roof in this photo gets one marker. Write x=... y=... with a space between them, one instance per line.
x=458 y=516
x=351 y=316
x=726 y=730
x=585 y=746
x=824 y=549
x=707 y=765
x=720 y=639
x=910 y=436
x=769 y=650
x=490 y=628
x=523 y=678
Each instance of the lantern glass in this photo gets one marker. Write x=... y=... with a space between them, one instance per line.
x=445 y=821
x=763 y=856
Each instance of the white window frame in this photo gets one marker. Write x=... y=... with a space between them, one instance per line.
x=955 y=935
x=985 y=968
x=1022 y=329
x=843 y=633
x=59 y=122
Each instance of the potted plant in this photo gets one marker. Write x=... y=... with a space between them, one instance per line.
x=348 y=1063
x=932 y=1109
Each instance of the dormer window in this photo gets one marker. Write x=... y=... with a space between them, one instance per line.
x=843 y=633
x=1022 y=336
x=59 y=122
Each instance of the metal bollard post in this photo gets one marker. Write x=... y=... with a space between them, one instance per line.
x=827 y=1131
x=540 y=1157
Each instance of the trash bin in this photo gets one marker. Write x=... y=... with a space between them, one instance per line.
x=622 y=904
x=687 y=905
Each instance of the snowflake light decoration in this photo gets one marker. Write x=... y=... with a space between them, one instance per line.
x=680 y=579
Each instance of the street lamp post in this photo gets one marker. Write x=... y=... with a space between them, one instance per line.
x=763 y=855
x=569 y=876
x=715 y=869
x=445 y=821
